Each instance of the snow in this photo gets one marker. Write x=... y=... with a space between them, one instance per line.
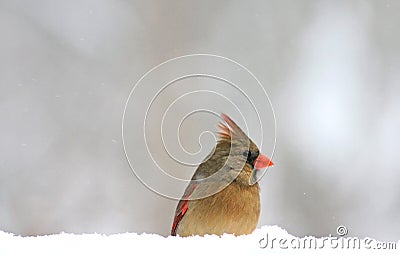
x=261 y=241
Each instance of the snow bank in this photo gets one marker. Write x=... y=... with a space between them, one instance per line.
x=268 y=239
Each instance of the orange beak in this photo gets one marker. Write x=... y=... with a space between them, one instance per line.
x=262 y=161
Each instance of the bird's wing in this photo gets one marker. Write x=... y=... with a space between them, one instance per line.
x=182 y=206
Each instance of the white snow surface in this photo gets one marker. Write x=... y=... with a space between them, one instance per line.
x=260 y=241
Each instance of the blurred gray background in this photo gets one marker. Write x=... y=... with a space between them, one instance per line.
x=331 y=69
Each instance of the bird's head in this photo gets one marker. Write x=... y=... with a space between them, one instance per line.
x=242 y=156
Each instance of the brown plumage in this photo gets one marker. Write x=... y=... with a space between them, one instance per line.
x=222 y=196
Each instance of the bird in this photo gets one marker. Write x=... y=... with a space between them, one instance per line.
x=223 y=194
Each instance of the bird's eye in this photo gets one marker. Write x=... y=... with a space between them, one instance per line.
x=247 y=154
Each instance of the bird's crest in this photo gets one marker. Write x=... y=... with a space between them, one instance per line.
x=226 y=132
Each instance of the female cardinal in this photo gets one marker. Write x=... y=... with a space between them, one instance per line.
x=222 y=196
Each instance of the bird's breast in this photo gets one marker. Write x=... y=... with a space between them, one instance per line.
x=234 y=210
